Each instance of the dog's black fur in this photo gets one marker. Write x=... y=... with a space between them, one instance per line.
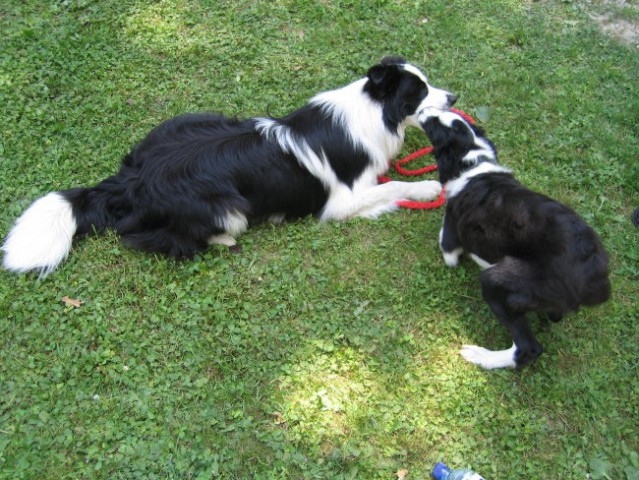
x=543 y=257
x=175 y=188
x=200 y=179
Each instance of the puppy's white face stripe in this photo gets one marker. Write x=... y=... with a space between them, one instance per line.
x=447 y=118
x=455 y=186
x=489 y=359
x=428 y=112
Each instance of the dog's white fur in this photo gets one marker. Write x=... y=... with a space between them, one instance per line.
x=42 y=237
x=489 y=359
x=49 y=222
x=457 y=185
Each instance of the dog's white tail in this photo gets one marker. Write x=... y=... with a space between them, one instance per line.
x=41 y=237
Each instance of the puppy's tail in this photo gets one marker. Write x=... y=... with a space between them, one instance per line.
x=42 y=236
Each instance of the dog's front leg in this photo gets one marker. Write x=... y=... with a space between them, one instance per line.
x=448 y=241
x=372 y=201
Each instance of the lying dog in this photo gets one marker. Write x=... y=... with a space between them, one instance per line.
x=538 y=255
x=202 y=179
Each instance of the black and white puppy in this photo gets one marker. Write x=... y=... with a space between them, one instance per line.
x=201 y=179
x=537 y=254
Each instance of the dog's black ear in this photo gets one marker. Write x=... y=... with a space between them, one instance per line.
x=381 y=75
x=383 y=80
x=393 y=60
x=461 y=128
x=463 y=133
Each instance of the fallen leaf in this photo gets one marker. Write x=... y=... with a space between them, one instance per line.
x=72 y=302
x=279 y=418
x=401 y=474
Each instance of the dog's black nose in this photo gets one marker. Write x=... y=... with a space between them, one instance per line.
x=451 y=99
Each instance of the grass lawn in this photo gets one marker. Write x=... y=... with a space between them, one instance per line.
x=321 y=351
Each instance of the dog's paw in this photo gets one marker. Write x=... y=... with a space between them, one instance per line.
x=425 y=190
x=451 y=259
x=222 y=239
x=489 y=359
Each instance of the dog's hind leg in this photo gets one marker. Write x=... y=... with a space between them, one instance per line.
x=528 y=348
x=505 y=287
x=489 y=359
x=525 y=348
x=233 y=225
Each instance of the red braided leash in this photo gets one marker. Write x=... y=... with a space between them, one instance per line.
x=399 y=168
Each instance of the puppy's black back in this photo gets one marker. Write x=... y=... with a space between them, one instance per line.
x=561 y=258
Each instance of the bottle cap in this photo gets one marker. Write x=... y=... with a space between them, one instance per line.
x=440 y=470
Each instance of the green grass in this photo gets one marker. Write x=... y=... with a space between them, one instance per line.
x=321 y=350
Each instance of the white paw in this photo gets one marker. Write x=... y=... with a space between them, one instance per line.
x=452 y=258
x=489 y=359
x=222 y=239
x=425 y=190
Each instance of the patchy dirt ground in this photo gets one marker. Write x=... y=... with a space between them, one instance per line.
x=617 y=18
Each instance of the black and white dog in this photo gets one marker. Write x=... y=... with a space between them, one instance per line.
x=537 y=254
x=201 y=179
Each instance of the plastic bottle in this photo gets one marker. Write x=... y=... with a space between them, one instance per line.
x=442 y=472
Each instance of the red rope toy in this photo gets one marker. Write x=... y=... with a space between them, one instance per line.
x=399 y=168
